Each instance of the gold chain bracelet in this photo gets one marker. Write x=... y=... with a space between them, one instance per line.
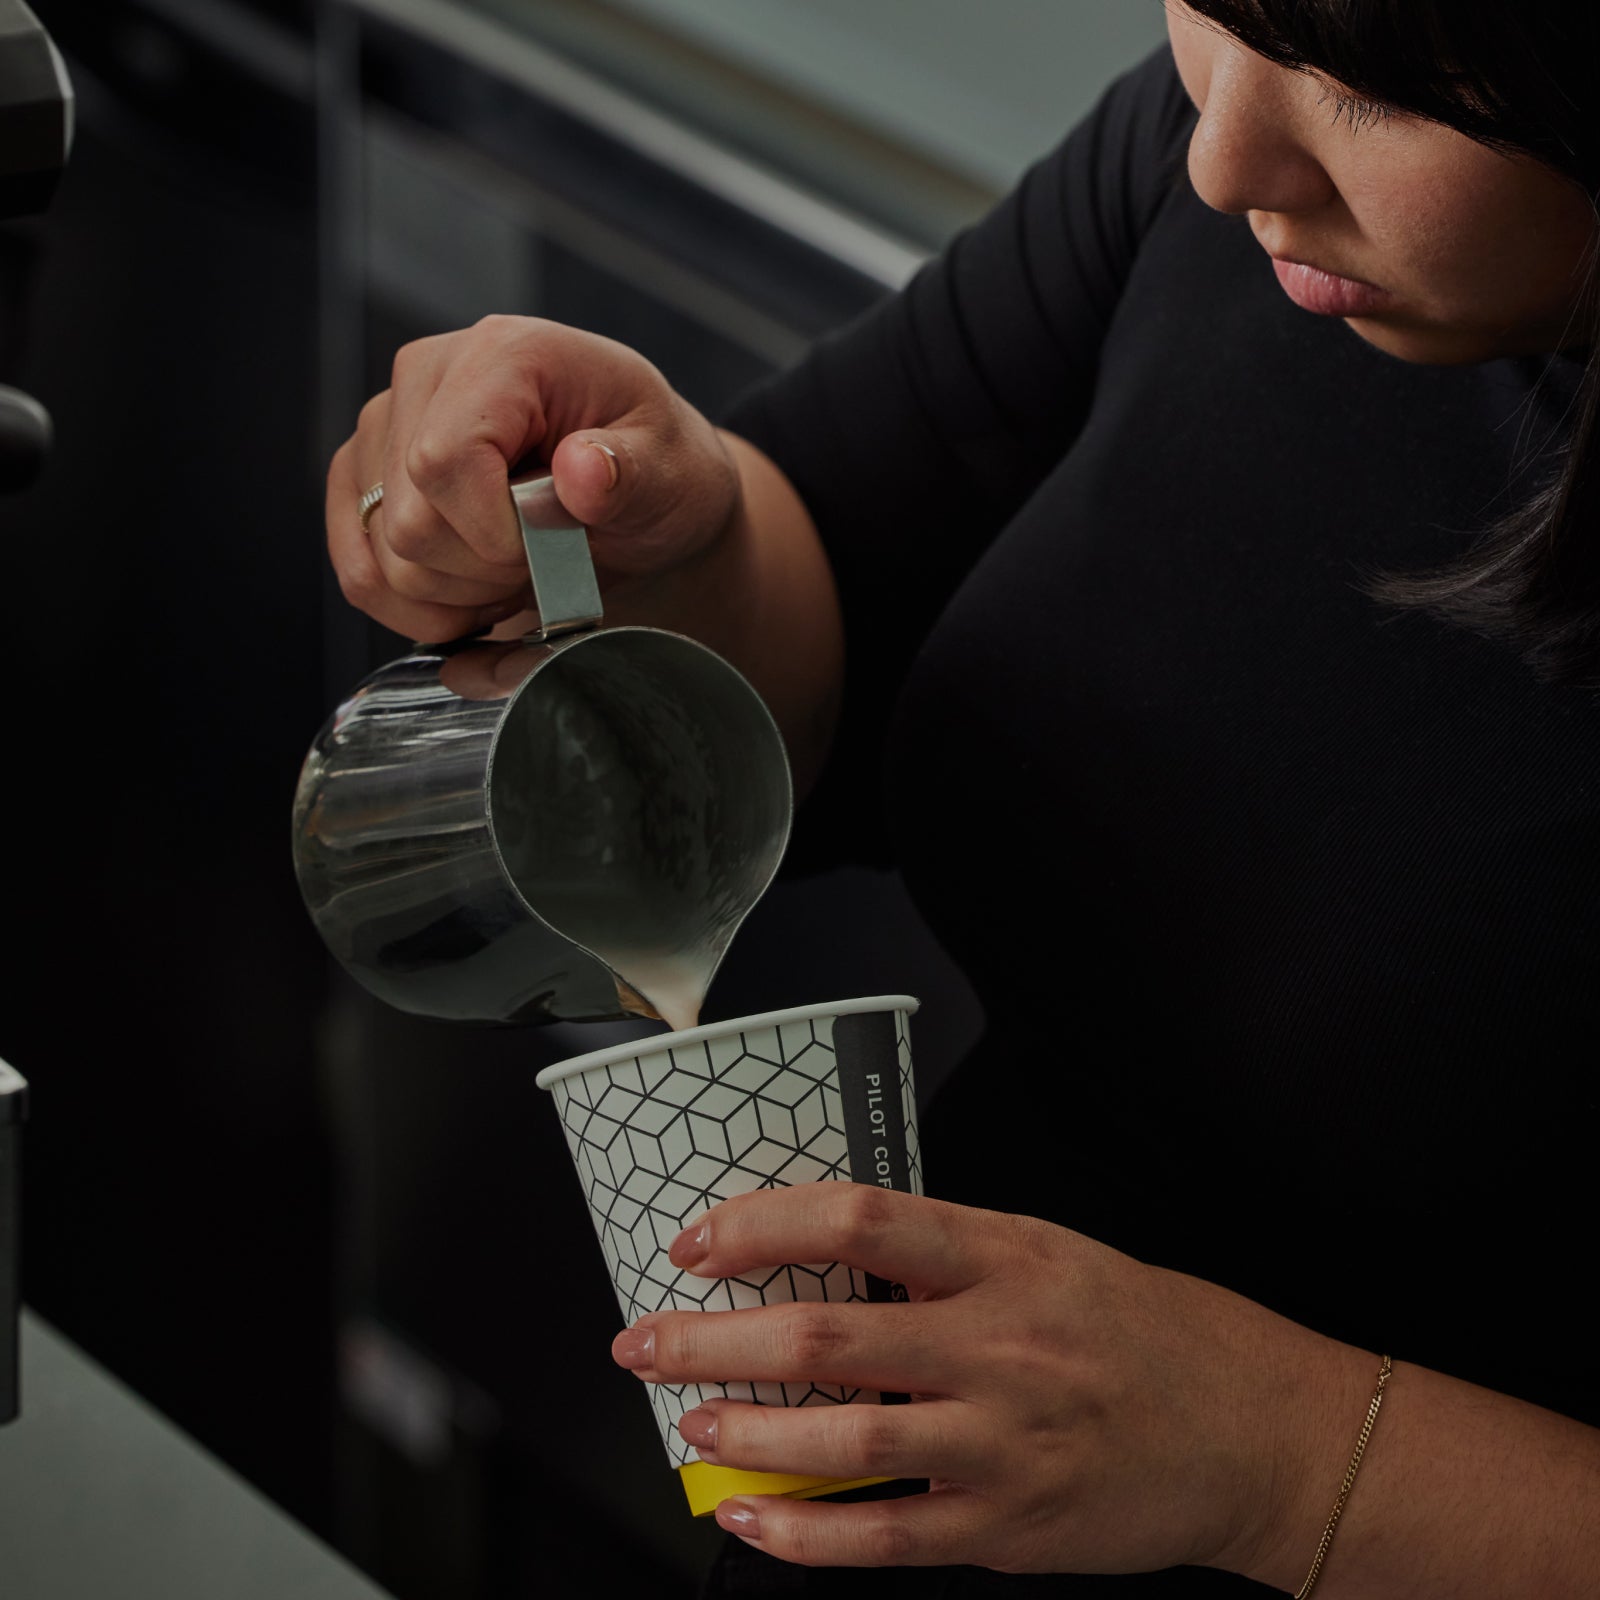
x=1304 y=1591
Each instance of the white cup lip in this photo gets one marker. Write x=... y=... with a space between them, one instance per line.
x=654 y=1044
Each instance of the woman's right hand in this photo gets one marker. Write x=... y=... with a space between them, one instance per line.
x=442 y=556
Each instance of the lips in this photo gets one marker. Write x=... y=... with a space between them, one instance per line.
x=1327 y=293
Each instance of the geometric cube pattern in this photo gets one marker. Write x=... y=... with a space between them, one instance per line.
x=659 y=1137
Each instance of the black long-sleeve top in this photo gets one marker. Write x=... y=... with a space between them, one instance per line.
x=1284 y=908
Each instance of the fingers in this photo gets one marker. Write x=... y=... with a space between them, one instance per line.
x=451 y=509
x=406 y=567
x=932 y=1248
x=442 y=555
x=410 y=580
x=362 y=578
x=513 y=389
x=946 y=1527
x=931 y=1439
x=891 y=1347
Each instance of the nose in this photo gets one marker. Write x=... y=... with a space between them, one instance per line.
x=1248 y=152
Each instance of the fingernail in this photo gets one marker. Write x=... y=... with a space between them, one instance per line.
x=738 y=1516
x=699 y=1428
x=692 y=1246
x=613 y=466
x=634 y=1348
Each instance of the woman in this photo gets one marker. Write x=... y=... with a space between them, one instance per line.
x=1224 y=546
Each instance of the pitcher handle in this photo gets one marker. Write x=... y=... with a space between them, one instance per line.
x=564 y=586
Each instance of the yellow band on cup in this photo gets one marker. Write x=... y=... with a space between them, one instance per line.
x=708 y=1486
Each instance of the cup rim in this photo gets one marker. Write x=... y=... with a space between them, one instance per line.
x=653 y=1044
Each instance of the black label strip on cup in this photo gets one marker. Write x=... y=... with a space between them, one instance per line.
x=867 y=1056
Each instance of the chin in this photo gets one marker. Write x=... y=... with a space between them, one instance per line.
x=1439 y=347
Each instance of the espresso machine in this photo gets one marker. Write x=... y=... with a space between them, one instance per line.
x=36 y=108
x=13 y=1107
x=36 y=111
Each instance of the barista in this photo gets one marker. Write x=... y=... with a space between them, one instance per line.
x=1281 y=1083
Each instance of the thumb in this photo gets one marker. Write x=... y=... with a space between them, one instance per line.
x=648 y=500
x=588 y=469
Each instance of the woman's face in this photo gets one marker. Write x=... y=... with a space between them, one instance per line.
x=1428 y=245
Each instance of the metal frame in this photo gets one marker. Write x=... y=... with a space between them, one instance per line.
x=501 y=53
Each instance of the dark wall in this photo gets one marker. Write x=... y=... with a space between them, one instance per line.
x=162 y=671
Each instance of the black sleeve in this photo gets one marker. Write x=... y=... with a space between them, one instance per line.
x=915 y=434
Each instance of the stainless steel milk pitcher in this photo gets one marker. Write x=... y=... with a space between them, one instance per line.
x=547 y=829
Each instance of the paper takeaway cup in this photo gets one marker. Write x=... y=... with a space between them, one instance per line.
x=663 y=1128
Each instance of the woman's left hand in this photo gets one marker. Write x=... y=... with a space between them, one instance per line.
x=1076 y=1410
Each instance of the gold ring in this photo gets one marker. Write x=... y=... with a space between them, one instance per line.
x=370 y=502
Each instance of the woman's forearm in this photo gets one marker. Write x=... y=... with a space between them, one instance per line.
x=1462 y=1492
x=762 y=595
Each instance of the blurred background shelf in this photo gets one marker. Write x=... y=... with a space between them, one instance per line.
x=945 y=94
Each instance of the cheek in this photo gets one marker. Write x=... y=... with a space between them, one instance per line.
x=1467 y=235
x=1427 y=229
x=1192 y=49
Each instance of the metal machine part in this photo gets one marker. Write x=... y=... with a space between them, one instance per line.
x=25 y=435
x=13 y=1111
x=36 y=107
x=36 y=110
x=36 y=120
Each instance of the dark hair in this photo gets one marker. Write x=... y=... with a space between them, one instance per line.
x=1520 y=77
